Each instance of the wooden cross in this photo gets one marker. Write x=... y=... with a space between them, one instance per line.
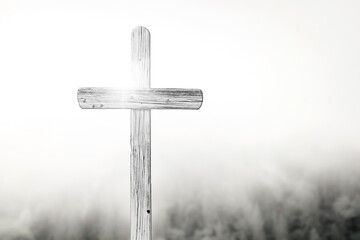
x=140 y=101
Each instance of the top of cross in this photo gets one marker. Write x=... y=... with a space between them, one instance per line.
x=142 y=97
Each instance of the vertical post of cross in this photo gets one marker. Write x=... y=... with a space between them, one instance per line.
x=140 y=100
x=140 y=141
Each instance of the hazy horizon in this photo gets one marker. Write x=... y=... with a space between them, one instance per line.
x=276 y=137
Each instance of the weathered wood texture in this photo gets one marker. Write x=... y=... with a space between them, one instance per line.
x=140 y=141
x=140 y=100
x=152 y=98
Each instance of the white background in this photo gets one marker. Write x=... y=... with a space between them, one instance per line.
x=281 y=83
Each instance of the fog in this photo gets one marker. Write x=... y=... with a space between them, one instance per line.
x=272 y=154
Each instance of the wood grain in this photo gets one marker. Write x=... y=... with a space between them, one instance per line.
x=152 y=98
x=140 y=100
x=140 y=141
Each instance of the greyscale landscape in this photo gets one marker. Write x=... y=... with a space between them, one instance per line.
x=273 y=153
x=288 y=202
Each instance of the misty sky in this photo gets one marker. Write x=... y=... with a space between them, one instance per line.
x=281 y=83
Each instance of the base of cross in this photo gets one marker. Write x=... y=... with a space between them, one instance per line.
x=140 y=100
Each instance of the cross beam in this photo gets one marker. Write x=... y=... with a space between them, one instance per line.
x=150 y=98
x=140 y=100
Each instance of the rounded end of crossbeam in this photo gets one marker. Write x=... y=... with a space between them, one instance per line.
x=79 y=98
x=201 y=99
x=82 y=97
